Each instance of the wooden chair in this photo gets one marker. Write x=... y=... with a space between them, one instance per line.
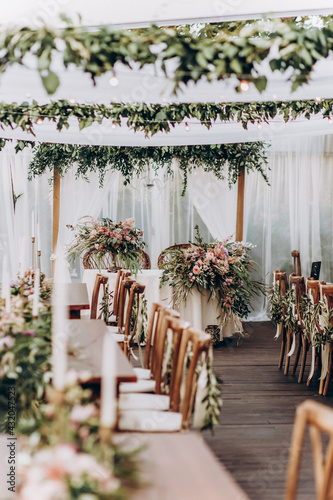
x=179 y=418
x=164 y=253
x=156 y=330
x=319 y=419
x=313 y=290
x=327 y=291
x=100 y=280
x=296 y=262
x=121 y=274
x=160 y=399
x=281 y=279
x=298 y=283
x=90 y=261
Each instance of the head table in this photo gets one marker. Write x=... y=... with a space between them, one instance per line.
x=199 y=310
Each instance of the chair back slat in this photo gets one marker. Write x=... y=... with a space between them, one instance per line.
x=313 y=287
x=296 y=262
x=100 y=280
x=121 y=274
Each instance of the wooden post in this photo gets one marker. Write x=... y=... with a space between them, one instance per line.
x=240 y=206
x=56 y=214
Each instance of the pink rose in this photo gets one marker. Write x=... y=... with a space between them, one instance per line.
x=196 y=270
x=93 y=234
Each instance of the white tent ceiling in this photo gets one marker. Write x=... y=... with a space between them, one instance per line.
x=19 y=83
x=144 y=12
x=220 y=133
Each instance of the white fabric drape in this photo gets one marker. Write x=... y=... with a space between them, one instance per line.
x=15 y=226
x=79 y=198
x=214 y=201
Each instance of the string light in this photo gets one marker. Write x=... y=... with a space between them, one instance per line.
x=187 y=127
x=114 y=80
x=39 y=121
x=244 y=86
x=72 y=101
x=259 y=125
x=28 y=95
x=330 y=121
x=318 y=99
x=113 y=125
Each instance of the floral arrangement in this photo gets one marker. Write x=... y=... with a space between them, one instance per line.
x=221 y=267
x=62 y=456
x=20 y=315
x=121 y=239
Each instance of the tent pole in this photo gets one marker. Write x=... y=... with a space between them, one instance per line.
x=240 y=206
x=56 y=214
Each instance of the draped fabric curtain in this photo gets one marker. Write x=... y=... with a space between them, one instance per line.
x=19 y=199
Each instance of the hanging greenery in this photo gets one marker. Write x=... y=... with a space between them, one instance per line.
x=216 y=55
x=224 y=160
x=154 y=118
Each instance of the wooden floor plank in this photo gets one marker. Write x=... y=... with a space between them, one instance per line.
x=259 y=403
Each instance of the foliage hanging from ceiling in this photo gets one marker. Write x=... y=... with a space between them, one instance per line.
x=154 y=118
x=223 y=160
x=219 y=56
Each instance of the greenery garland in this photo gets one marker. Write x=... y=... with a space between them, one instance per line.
x=224 y=160
x=218 y=57
x=154 y=118
x=275 y=305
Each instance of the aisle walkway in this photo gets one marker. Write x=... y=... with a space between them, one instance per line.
x=257 y=415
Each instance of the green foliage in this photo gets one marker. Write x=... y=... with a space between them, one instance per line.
x=275 y=305
x=154 y=118
x=26 y=365
x=224 y=160
x=214 y=55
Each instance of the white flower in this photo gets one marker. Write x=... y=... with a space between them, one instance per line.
x=6 y=342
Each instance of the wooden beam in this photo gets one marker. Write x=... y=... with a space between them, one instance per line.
x=56 y=214
x=240 y=206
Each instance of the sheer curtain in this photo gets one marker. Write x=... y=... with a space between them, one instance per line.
x=294 y=213
x=79 y=198
x=15 y=225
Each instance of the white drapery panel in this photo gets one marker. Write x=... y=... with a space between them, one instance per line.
x=15 y=226
x=79 y=198
x=295 y=212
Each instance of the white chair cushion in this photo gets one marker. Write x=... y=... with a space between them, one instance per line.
x=143 y=402
x=112 y=329
x=149 y=421
x=139 y=386
x=143 y=373
x=118 y=337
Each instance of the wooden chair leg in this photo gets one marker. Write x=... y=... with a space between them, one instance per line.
x=298 y=352
x=286 y=366
x=283 y=347
x=305 y=347
x=328 y=376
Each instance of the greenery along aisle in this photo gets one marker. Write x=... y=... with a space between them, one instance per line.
x=223 y=160
x=210 y=54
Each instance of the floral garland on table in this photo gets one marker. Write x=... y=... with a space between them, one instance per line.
x=66 y=440
x=121 y=239
x=222 y=268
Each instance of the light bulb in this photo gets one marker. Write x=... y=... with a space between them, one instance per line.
x=318 y=99
x=259 y=125
x=330 y=121
x=187 y=127
x=114 y=80
x=113 y=125
x=28 y=95
x=39 y=121
x=72 y=101
x=244 y=86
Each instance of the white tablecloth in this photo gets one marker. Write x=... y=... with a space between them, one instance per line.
x=148 y=277
x=201 y=312
x=198 y=310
